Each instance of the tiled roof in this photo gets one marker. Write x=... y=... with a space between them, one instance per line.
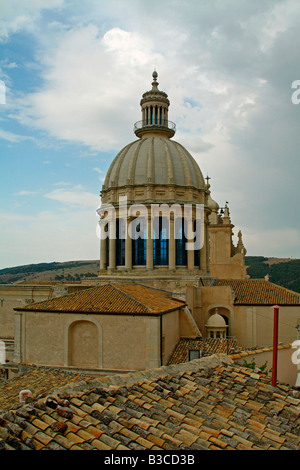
x=209 y=403
x=111 y=298
x=37 y=379
x=206 y=347
x=259 y=292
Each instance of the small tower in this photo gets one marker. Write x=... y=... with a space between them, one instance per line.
x=216 y=326
x=155 y=106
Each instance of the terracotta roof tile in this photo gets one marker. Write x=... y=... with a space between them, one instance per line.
x=206 y=347
x=118 y=298
x=259 y=292
x=190 y=406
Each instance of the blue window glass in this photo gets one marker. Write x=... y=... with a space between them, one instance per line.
x=180 y=241
x=161 y=242
x=120 y=242
x=139 y=245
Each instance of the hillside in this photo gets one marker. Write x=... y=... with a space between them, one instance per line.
x=67 y=271
x=282 y=271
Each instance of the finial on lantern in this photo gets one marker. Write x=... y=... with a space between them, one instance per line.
x=154 y=83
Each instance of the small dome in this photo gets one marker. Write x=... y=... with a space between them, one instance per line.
x=213 y=205
x=154 y=160
x=216 y=321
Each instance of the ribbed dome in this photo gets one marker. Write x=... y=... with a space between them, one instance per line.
x=154 y=160
x=216 y=321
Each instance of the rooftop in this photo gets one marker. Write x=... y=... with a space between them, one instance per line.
x=205 y=346
x=209 y=403
x=118 y=298
x=259 y=292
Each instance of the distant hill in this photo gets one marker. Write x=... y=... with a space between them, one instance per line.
x=66 y=271
x=282 y=271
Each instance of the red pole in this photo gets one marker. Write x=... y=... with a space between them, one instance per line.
x=275 y=346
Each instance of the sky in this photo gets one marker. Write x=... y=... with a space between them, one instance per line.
x=72 y=74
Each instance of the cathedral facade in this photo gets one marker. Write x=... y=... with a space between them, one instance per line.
x=169 y=271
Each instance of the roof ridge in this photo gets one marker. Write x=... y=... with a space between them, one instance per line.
x=149 y=310
x=284 y=288
x=69 y=294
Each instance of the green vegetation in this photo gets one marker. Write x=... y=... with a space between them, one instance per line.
x=67 y=271
x=286 y=273
x=252 y=365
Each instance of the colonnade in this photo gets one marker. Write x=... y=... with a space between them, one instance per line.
x=109 y=246
x=155 y=114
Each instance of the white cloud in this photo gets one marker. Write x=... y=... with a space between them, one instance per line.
x=227 y=70
x=12 y=137
x=17 y=15
x=75 y=197
x=47 y=237
x=26 y=193
x=89 y=87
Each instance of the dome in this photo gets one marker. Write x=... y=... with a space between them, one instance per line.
x=213 y=205
x=154 y=160
x=216 y=321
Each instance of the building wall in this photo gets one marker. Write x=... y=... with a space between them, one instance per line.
x=251 y=325
x=14 y=296
x=286 y=368
x=171 y=334
x=110 y=342
x=259 y=322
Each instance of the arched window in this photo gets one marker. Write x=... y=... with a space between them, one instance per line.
x=161 y=241
x=180 y=242
x=139 y=242
x=120 y=242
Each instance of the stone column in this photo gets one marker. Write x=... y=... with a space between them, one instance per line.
x=190 y=259
x=103 y=241
x=171 y=243
x=190 y=253
x=112 y=244
x=128 y=246
x=203 y=251
x=18 y=357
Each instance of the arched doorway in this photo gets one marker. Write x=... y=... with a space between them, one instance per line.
x=83 y=345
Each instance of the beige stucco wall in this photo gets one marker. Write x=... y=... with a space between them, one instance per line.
x=206 y=299
x=171 y=334
x=251 y=325
x=125 y=342
x=254 y=325
x=14 y=296
x=286 y=368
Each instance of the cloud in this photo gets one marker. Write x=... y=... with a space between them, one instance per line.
x=227 y=68
x=26 y=193
x=75 y=197
x=89 y=87
x=12 y=137
x=101 y=174
x=55 y=236
x=17 y=15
